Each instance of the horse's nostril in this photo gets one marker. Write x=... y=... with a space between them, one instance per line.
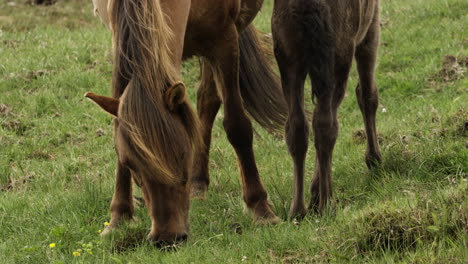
x=170 y=241
x=182 y=237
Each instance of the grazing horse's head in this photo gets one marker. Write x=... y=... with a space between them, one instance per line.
x=159 y=162
x=155 y=126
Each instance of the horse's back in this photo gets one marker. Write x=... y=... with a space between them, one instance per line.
x=350 y=19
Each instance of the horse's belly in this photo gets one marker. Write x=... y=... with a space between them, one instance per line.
x=207 y=21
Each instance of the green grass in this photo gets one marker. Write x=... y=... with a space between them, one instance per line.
x=57 y=161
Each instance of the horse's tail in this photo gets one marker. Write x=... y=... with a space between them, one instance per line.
x=260 y=86
x=150 y=104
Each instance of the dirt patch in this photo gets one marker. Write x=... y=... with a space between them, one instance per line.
x=100 y=132
x=34 y=75
x=5 y=110
x=359 y=137
x=40 y=155
x=10 y=43
x=453 y=69
x=16 y=126
x=455 y=125
x=15 y=184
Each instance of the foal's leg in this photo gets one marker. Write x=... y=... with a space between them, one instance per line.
x=366 y=91
x=343 y=62
x=293 y=75
x=208 y=103
x=238 y=126
x=122 y=201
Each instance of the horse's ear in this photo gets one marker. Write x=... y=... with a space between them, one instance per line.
x=175 y=95
x=109 y=105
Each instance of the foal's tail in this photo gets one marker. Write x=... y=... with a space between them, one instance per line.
x=154 y=96
x=260 y=86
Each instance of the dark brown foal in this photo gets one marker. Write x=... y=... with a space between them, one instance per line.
x=319 y=38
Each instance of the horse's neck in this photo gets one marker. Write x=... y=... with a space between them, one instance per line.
x=177 y=12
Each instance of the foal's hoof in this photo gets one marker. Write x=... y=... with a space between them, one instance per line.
x=373 y=161
x=297 y=213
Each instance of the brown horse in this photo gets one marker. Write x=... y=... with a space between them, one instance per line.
x=319 y=38
x=155 y=127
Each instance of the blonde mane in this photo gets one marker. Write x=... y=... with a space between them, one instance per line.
x=143 y=71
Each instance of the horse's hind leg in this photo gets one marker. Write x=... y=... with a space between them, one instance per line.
x=237 y=125
x=366 y=91
x=325 y=127
x=122 y=201
x=321 y=58
x=208 y=103
x=293 y=75
x=343 y=62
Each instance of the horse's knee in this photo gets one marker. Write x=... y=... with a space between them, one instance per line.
x=325 y=127
x=238 y=130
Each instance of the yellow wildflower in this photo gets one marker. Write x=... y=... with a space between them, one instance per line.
x=76 y=253
x=99 y=231
x=106 y=223
x=52 y=245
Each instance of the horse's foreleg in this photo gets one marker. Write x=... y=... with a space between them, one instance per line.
x=367 y=93
x=238 y=126
x=208 y=104
x=122 y=202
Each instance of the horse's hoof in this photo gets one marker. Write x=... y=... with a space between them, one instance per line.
x=263 y=215
x=268 y=221
x=116 y=222
x=314 y=204
x=106 y=231
x=373 y=161
x=297 y=213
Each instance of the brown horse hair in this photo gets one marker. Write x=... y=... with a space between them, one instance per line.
x=143 y=72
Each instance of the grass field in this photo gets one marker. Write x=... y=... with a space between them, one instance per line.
x=57 y=161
